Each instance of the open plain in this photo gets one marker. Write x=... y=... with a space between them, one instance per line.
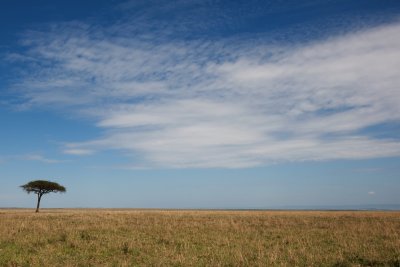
x=102 y=237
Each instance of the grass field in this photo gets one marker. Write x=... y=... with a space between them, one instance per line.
x=198 y=238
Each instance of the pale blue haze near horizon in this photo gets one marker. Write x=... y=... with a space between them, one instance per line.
x=201 y=104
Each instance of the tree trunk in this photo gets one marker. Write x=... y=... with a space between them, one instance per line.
x=39 y=196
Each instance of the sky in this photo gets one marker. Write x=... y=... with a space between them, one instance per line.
x=201 y=104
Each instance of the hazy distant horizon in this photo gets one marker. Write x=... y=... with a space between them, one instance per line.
x=381 y=207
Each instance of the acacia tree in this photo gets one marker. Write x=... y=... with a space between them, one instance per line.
x=41 y=187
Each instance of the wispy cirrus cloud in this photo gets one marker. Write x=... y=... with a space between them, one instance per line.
x=30 y=157
x=76 y=151
x=202 y=104
x=37 y=157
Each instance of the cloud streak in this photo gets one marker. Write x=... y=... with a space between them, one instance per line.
x=37 y=157
x=198 y=104
x=30 y=157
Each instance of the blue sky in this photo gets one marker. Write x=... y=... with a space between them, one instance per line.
x=201 y=104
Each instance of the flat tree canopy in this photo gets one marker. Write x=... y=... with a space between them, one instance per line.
x=41 y=187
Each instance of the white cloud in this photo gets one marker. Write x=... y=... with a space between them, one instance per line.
x=199 y=104
x=37 y=157
x=32 y=157
x=371 y=193
x=78 y=151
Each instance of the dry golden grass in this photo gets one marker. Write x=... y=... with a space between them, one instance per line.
x=198 y=238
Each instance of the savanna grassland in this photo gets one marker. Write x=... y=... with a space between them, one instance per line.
x=81 y=237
